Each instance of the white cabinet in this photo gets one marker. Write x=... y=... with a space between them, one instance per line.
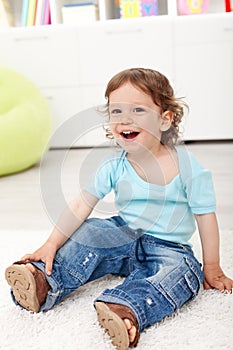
x=48 y=56
x=109 y=47
x=204 y=74
x=72 y=65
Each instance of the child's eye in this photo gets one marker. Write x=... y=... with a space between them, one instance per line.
x=138 y=110
x=115 y=111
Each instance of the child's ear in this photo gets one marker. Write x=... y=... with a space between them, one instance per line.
x=166 y=123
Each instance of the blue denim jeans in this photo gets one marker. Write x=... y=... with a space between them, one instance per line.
x=160 y=276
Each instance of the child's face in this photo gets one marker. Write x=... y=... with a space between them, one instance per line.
x=135 y=120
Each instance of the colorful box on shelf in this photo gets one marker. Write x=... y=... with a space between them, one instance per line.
x=192 y=7
x=136 y=8
x=79 y=13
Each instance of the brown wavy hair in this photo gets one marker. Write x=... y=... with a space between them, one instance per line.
x=156 y=85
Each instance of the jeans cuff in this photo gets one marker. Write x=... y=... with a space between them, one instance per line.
x=55 y=291
x=118 y=296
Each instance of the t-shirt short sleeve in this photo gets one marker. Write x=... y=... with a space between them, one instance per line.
x=102 y=181
x=200 y=189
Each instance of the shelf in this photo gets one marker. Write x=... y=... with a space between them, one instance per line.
x=107 y=9
x=165 y=7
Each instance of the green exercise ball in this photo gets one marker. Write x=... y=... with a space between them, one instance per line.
x=25 y=122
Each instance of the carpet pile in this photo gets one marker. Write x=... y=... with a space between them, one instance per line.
x=204 y=324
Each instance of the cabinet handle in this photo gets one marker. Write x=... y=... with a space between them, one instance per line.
x=228 y=29
x=31 y=38
x=49 y=97
x=122 y=31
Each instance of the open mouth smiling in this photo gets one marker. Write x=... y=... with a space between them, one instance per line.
x=129 y=135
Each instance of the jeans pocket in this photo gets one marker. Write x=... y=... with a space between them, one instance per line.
x=182 y=283
x=196 y=272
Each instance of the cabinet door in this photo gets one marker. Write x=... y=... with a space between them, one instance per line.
x=46 y=55
x=78 y=125
x=204 y=66
x=109 y=47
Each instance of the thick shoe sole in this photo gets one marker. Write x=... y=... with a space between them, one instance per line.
x=23 y=286
x=114 y=326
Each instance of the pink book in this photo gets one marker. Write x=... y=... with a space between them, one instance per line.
x=46 y=14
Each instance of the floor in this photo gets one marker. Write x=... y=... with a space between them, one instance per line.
x=26 y=197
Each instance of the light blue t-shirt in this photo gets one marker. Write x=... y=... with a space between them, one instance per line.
x=166 y=212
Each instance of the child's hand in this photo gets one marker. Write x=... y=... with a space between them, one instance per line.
x=215 y=278
x=45 y=253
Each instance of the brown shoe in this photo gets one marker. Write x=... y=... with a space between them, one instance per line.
x=30 y=289
x=111 y=318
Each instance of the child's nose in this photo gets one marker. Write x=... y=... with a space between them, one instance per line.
x=126 y=118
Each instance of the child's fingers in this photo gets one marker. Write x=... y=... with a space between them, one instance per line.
x=29 y=257
x=228 y=285
x=218 y=285
x=207 y=285
x=224 y=284
x=49 y=266
x=26 y=257
x=33 y=257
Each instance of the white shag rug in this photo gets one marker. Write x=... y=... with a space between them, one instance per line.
x=204 y=324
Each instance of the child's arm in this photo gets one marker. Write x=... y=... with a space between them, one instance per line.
x=71 y=219
x=214 y=277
